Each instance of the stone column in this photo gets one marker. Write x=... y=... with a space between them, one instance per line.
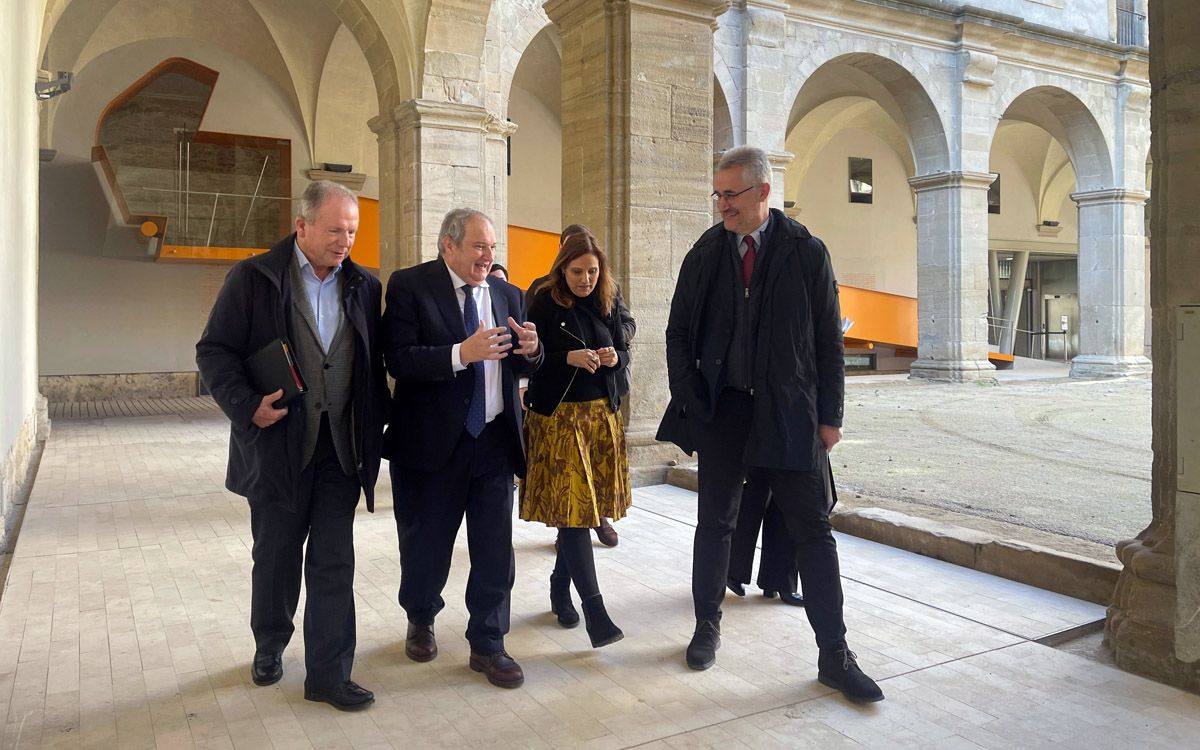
x=434 y=156
x=637 y=165
x=1152 y=626
x=779 y=164
x=1112 y=314
x=1012 y=306
x=952 y=276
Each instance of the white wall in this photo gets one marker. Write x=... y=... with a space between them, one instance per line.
x=1087 y=17
x=19 y=32
x=872 y=245
x=535 y=186
x=103 y=314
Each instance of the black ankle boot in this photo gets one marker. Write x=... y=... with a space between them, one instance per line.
x=600 y=628
x=560 y=601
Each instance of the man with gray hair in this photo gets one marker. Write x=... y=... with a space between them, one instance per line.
x=755 y=363
x=302 y=465
x=455 y=440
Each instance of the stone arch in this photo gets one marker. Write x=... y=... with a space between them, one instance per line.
x=70 y=25
x=727 y=93
x=1069 y=120
x=830 y=74
x=512 y=27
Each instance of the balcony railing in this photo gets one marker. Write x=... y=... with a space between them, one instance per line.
x=1131 y=28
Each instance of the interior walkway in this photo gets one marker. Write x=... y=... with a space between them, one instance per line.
x=123 y=623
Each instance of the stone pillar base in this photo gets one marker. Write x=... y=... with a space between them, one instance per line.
x=649 y=459
x=954 y=371
x=17 y=470
x=1140 y=626
x=1104 y=366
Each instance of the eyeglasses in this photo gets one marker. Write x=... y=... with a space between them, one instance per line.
x=728 y=196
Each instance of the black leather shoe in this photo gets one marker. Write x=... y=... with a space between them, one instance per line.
x=702 y=651
x=345 y=696
x=838 y=668
x=501 y=669
x=420 y=644
x=793 y=599
x=606 y=533
x=735 y=587
x=267 y=668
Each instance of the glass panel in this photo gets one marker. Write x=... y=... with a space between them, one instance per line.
x=861 y=180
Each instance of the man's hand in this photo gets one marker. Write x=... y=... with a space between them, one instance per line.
x=608 y=356
x=485 y=343
x=266 y=414
x=830 y=436
x=585 y=359
x=527 y=338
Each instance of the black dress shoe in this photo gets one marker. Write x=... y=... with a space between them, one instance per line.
x=501 y=669
x=702 y=651
x=735 y=587
x=345 y=696
x=267 y=668
x=793 y=599
x=838 y=668
x=420 y=644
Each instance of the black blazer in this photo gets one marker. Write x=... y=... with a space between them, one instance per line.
x=564 y=330
x=421 y=323
x=251 y=311
x=799 y=376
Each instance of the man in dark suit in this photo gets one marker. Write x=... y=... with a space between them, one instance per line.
x=455 y=438
x=755 y=362
x=304 y=465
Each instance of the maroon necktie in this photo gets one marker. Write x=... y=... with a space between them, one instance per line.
x=748 y=260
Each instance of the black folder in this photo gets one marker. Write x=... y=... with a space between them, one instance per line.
x=273 y=367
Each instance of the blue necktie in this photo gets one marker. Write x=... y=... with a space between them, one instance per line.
x=477 y=411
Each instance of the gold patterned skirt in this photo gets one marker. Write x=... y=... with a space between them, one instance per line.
x=578 y=470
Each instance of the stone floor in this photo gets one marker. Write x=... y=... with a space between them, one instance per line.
x=123 y=624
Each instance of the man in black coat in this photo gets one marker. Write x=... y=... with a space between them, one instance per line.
x=455 y=441
x=755 y=362
x=303 y=466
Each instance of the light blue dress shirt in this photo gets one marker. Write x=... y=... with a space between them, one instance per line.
x=322 y=297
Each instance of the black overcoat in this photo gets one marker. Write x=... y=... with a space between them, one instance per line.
x=251 y=311
x=798 y=376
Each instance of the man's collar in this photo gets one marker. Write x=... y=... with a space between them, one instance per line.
x=304 y=262
x=456 y=281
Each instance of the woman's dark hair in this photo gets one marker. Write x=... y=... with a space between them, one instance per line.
x=497 y=267
x=575 y=247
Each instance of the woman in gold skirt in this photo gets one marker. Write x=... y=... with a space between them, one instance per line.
x=575 y=443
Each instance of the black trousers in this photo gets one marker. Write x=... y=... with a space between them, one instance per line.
x=324 y=515
x=802 y=499
x=777 y=562
x=476 y=483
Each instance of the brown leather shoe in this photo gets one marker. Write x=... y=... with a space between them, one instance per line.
x=420 y=645
x=606 y=533
x=501 y=669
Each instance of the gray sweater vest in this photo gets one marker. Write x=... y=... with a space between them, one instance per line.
x=328 y=374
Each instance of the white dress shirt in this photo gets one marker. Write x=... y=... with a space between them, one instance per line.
x=493 y=382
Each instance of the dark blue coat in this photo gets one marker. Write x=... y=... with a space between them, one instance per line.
x=421 y=323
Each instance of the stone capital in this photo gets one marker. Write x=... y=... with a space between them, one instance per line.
x=425 y=113
x=948 y=180
x=1108 y=196
x=567 y=14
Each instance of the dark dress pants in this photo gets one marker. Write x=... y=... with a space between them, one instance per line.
x=803 y=502
x=324 y=515
x=477 y=483
x=777 y=562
